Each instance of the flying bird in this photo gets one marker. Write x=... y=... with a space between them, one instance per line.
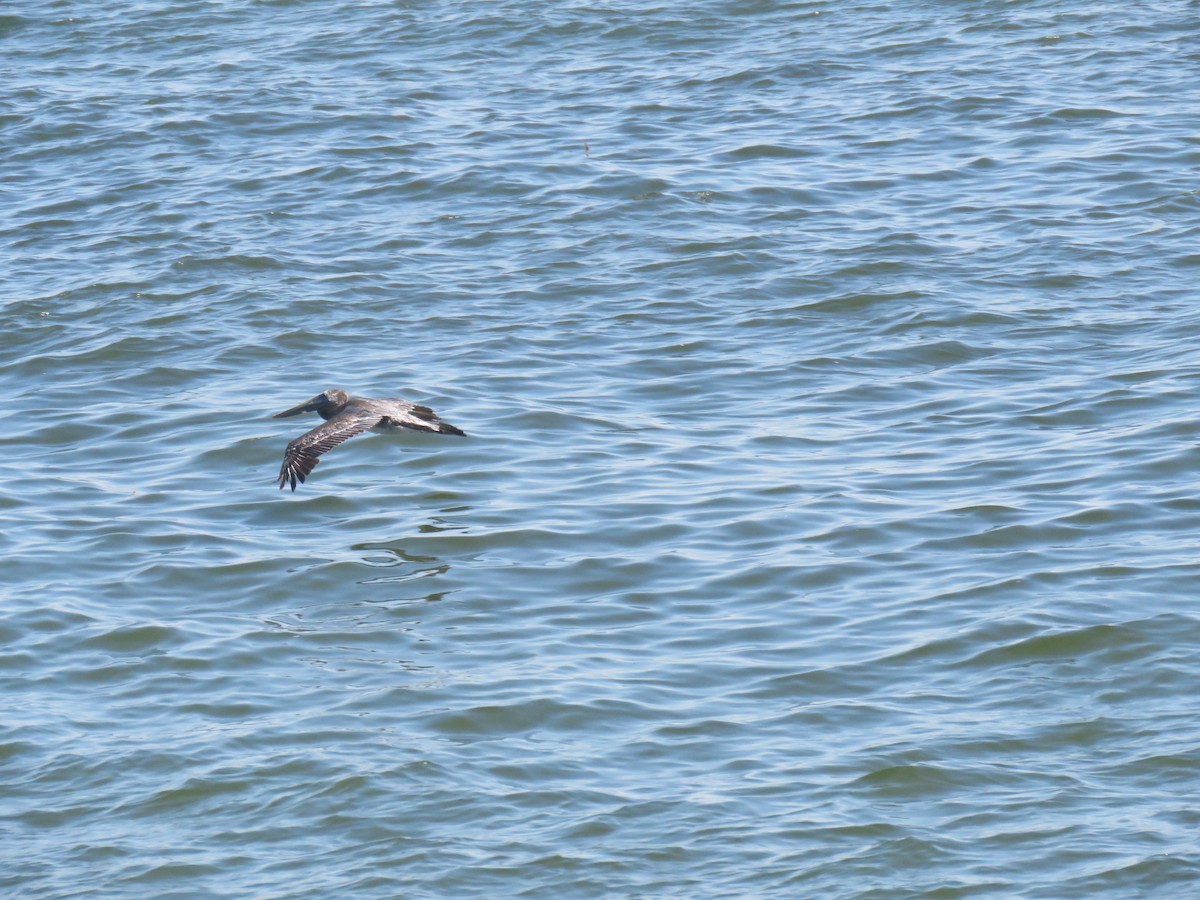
x=346 y=416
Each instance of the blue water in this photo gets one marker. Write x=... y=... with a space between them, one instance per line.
x=826 y=524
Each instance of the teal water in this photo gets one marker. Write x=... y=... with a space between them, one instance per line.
x=827 y=522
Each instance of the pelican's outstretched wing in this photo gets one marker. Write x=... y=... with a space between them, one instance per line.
x=302 y=454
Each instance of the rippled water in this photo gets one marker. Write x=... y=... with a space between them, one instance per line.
x=827 y=521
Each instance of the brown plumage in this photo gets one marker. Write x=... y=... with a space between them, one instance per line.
x=346 y=416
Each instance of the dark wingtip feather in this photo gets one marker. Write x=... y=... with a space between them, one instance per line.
x=294 y=470
x=447 y=428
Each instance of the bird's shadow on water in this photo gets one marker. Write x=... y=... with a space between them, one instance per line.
x=385 y=584
x=401 y=564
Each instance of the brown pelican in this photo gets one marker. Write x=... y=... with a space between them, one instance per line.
x=346 y=416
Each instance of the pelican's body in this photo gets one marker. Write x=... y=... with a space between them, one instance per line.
x=346 y=416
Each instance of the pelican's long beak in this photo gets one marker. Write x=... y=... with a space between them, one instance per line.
x=307 y=406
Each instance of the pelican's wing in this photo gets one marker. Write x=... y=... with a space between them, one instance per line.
x=417 y=417
x=302 y=454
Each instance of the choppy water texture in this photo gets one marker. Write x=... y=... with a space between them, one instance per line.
x=827 y=524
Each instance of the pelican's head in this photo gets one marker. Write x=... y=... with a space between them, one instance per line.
x=323 y=402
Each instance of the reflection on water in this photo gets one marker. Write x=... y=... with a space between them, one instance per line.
x=409 y=566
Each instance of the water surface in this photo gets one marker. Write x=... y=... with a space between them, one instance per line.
x=826 y=525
